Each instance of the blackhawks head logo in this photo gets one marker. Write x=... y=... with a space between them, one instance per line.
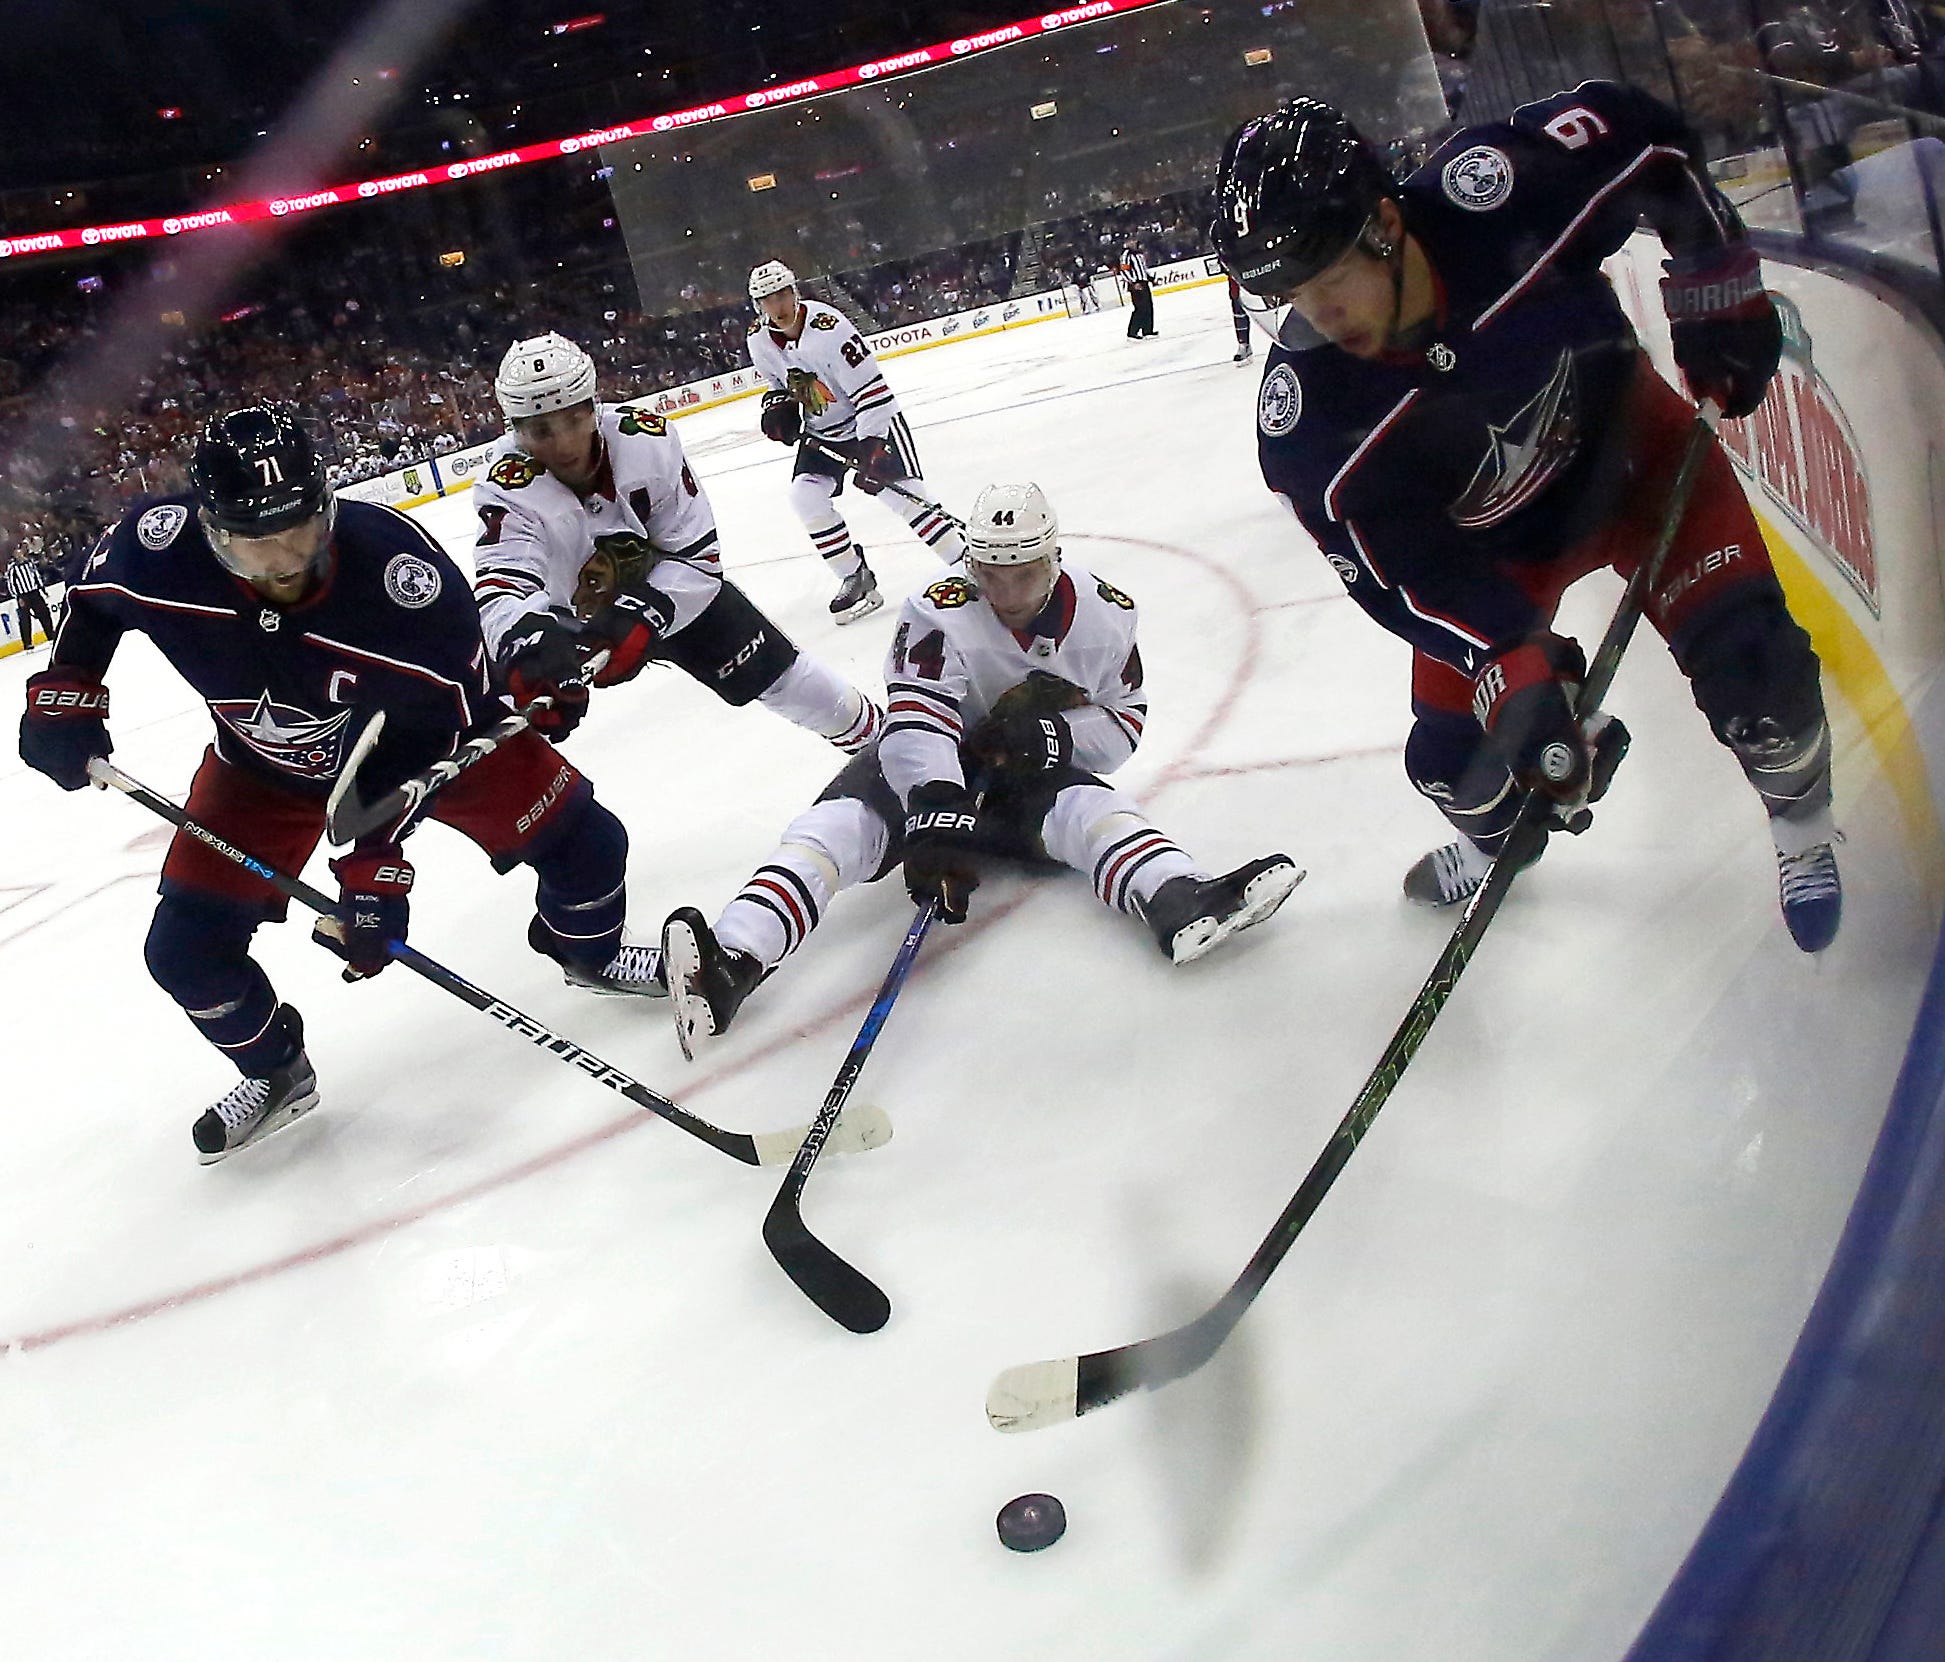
x=809 y=391
x=620 y=561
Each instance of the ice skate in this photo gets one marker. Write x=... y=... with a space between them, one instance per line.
x=1453 y=873
x=1191 y=916
x=254 y=1108
x=633 y=972
x=707 y=981
x=1243 y=354
x=857 y=596
x=1812 y=895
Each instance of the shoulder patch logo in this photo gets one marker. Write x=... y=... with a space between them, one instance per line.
x=1279 y=403
x=411 y=581
x=1478 y=179
x=951 y=592
x=514 y=472
x=161 y=526
x=1112 y=595
x=635 y=421
x=824 y=320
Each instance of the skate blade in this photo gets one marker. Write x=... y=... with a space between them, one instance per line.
x=681 y=962
x=864 y=608
x=1262 y=895
x=268 y=1126
x=610 y=989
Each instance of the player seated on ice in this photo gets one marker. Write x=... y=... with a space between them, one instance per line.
x=1012 y=689
x=594 y=533
x=828 y=397
x=296 y=617
x=1460 y=415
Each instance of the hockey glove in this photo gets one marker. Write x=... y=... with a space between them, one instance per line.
x=1727 y=336
x=629 y=626
x=782 y=418
x=1040 y=692
x=1523 y=697
x=373 y=909
x=65 y=725
x=941 y=835
x=877 y=465
x=1020 y=745
x=542 y=657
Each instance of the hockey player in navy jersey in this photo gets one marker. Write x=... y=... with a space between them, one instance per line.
x=297 y=617
x=1459 y=413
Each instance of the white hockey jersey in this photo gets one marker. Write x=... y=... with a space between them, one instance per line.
x=951 y=659
x=536 y=534
x=830 y=371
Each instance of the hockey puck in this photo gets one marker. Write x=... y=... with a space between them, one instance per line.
x=1031 y=1523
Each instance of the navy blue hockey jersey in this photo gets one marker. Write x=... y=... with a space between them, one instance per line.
x=1497 y=438
x=393 y=629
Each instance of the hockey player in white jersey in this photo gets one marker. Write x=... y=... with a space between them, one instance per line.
x=1013 y=688
x=826 y=393
x=595 y=532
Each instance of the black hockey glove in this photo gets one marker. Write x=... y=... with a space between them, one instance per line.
x=941 y=836
x=1523 y=697
x=373 y=909
x=65 y=725
x=877 y=465
x=543 y=657
x=782 y=418
x=1020 y=746
x=1727 y=336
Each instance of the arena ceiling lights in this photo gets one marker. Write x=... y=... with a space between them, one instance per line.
x=30 y=243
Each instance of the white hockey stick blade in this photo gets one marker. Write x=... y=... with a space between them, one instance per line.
x=858 y=1130
x=346 y=786
x=1034 y=1395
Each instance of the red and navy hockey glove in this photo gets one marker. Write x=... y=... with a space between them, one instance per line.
x=373 y=909
x=1523 y=697
x=543 y=657
x=1727 y=335
x=877 y=464
x=782 y=418
x=629 y=625
x=942 y=833
x=65 y=725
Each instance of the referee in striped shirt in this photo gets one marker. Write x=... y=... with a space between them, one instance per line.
x=1141 y=294
x=27 y=584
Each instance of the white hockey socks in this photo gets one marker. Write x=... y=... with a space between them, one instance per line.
x=817 y=698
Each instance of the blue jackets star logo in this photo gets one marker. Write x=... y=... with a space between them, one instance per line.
x=289 y=739
x=1525 y=455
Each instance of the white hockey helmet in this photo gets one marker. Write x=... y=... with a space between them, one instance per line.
x=542 y=374
x=771 y=277
x=1012 y=525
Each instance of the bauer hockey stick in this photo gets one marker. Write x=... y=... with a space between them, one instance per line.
x=1038 y=1394
x=846 y=1295
x=866 y=1128
x=347 y=817
x=944 y=513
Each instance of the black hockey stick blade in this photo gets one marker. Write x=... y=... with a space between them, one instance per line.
x=843 y=1292
x=1035 y=1395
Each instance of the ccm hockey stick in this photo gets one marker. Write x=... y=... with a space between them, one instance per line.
x=824 y=449
x=1038 y=1394
x=843 y=1293
x=347 y=817
x=864 y=1128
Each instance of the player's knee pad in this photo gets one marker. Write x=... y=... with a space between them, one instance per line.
x=1749 y=662
x=581 y=894
x=811 y=500
x=198 y=950
x=850 y=837
x=1082 y=817
x=1447 y=760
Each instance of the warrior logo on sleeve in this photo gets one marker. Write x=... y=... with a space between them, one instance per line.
x=288 y=738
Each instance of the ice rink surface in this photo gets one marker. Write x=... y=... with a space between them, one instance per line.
x=477 y=1362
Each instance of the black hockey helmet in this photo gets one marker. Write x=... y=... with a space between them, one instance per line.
x=1293 y=191
x=256 y=472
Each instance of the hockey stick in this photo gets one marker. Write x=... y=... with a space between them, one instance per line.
x=1038 y=1394
x=944 y=513
x=347 y=817
x=771 y=1148
x=843 y=1293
